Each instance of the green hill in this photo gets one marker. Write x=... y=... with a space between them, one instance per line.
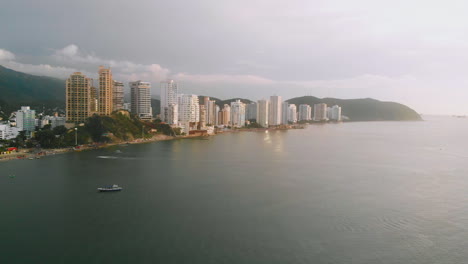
x=364 y=109
x=17 y=89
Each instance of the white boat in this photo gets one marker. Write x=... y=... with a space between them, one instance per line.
x=113 y=188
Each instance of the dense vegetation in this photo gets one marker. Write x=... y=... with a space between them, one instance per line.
x=39 y=92
x=364 y=109
x=119 y=127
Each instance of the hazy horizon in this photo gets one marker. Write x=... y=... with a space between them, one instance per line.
x=408 y=52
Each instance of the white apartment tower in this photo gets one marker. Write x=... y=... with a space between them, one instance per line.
x=305 y=112
x=237 y=114
x=275 y=113
x=189 y=111
x=262 y=112
x=140 y=93
x=292 y=113
x=169 y=93
x=335 y=113
x=25 y=119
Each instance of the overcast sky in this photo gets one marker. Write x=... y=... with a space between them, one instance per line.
x=412 y=51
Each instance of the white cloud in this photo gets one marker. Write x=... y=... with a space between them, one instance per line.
x=5 y=55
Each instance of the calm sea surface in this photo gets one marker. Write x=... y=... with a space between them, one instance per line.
x=378 y=192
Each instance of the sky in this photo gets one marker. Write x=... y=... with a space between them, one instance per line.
x=414 y=52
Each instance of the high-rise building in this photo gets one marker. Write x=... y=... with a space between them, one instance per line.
x=275 y=113
x=93 y=100
x=217 y=110
x=237 y=114
x=118 y=96
x=140 y=93
x=106 y=91
x=172 y=114
x=78 y=98
x=284 y=113
x=26 y=120
x=320 y=112
x=226 y=113
x=189 y=111
x=251 y=111
x=169 y=93
x=202 y=120
x=305 y=112
x=335 y=113
x=210 y=106
x=262 y=112
x=292 y=113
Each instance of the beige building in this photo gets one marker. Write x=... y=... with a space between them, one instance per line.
x=78 y=98
x=94 y=100
x=106 y=91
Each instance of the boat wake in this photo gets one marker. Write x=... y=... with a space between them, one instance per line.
x=107 y=157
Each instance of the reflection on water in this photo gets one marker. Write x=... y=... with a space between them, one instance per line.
x=349 y=193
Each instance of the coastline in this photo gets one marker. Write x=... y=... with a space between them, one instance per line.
x=28 y=154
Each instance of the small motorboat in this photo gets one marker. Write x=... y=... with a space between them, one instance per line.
x=113 y=188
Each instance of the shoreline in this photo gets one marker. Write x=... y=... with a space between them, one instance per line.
x=27 y=154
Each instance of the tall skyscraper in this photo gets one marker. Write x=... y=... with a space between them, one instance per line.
x=118 y=96
x=237 y=114
x=262 y=112
x=169 y=93
x=202 y=120
x=140 y=93
x=226 y=113
x=217 y=109
x=251 y=111
x=78 y=98
x=106 y=91
x=320 y=112
x=292 y=113
x=25 y=120
x=275 y=113
x=210 y=106
x=94 y=100
x=305 y=112
x=189 y=111
x=335 y=113
x=284 y=113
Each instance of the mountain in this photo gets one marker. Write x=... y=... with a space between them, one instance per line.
x=364 y=109
x=17 y=89
x=40 y=92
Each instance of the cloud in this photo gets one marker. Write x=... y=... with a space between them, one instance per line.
x=223 y=78
x=5 y=55
x=122 y=69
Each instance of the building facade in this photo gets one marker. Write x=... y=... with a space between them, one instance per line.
x=335 y=113
x=226 y=115
x=275 y=111
x=78 y=98
x=305 y=112
x=118 y=96
x=292 y=113
x=320 y=112
x=169 y=96
x=237 y=114
x=140 y=93
x=189 y=111
x=106 y=91
x=262 y=112
x=251 y=111
x=26 y=119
